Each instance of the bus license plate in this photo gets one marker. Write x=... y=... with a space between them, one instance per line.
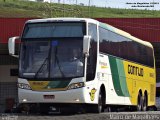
x=48 y=96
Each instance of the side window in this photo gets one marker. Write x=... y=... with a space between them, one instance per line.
x=92 y=59
x=124 y=45
x=141 y=54
x=108 y=42
x=150 y=59
x=132 y=50
x=120 y=46
x=104 y=40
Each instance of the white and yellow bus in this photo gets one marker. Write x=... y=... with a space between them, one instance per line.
x=83 y=63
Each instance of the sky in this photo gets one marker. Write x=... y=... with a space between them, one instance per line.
x=132 y=4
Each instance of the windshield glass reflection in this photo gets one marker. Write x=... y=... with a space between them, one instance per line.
x=61 y=58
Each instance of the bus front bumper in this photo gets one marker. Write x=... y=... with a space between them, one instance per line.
x=67 y=96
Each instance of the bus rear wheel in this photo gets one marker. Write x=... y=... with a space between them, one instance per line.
x=144 y=107
x=108 y=109
x=139 y=102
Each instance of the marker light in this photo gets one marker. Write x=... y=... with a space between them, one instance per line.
x=77 y=100
x=24 y=100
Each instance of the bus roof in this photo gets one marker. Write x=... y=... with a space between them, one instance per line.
x=104 y=25
x=62 y=19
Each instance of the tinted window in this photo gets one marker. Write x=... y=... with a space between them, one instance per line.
x=120 y=46
x=43 y=30
x=92 y=59
x=108 y=40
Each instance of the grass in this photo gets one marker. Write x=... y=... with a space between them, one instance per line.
x=19 y=8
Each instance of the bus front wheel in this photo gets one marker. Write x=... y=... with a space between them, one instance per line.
x=100 y=106
x=97 y=108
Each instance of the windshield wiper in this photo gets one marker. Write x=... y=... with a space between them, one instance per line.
x=41 y=67
x=48 y=59
x=44 y=63
x=57 y=61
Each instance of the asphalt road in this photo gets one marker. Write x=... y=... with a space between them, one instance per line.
x=149 y=115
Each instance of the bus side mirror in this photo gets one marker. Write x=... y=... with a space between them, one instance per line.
x=86 y=45
x=11 y=45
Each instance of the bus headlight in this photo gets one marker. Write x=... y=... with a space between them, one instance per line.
x=24 y=86
x=76 y=85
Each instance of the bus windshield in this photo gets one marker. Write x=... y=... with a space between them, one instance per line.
x=51 y=57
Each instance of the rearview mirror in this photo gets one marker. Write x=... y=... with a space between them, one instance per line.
x=86 y=44
x=11 y=45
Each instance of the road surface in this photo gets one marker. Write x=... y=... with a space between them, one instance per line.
x=149 y=115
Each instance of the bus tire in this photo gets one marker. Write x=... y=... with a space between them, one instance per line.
x=108 y=109
x=99 y=107
x=144 y=106
x=139 y=102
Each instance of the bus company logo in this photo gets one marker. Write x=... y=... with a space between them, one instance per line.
x=133 y=70
x=103 y=64
x=92 y=94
